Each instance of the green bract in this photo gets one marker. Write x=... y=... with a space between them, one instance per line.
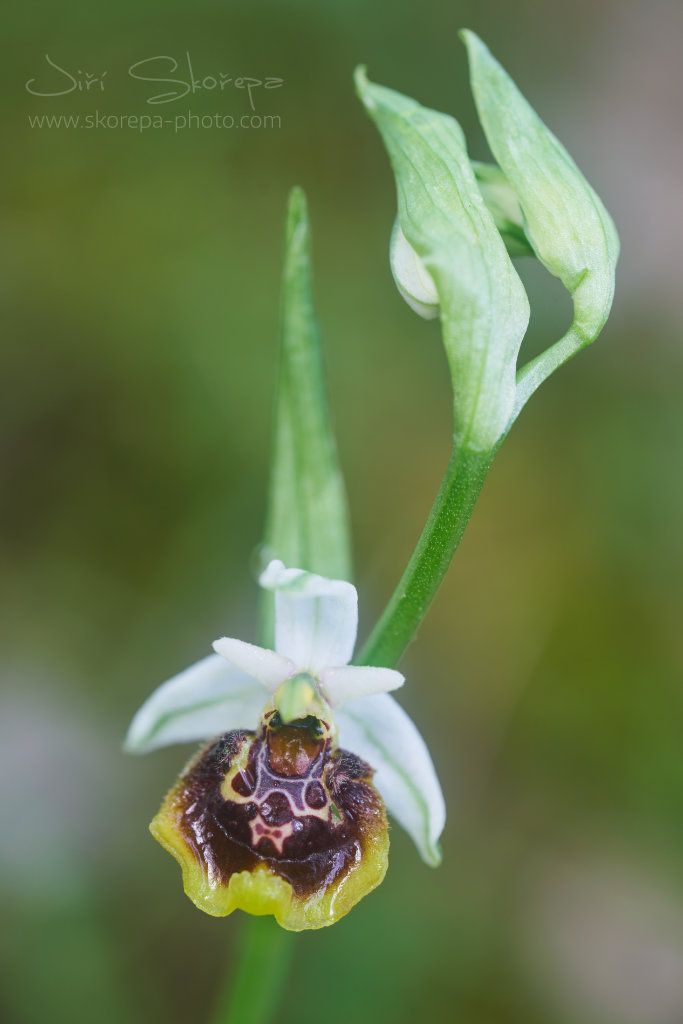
x=566 y=223
x=441 y=212
x=307 y=521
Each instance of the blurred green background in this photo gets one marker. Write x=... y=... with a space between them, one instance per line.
x=140 y=289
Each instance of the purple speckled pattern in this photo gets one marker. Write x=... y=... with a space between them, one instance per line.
x=283 y=796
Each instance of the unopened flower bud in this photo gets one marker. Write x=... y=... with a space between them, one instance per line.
x=412 y=278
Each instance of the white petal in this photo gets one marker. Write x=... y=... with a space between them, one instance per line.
x=316 y=619
x=267 y=667
x=378 y=730
x=353 y=681
x=205 y=700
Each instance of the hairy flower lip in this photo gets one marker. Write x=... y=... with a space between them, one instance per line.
x=306 y=843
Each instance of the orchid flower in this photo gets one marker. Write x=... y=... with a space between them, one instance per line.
x=283 y=812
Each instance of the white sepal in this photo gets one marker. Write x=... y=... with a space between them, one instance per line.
x=379 y=730
x=350 y=682
x=266 y=667
x=316 y=619
x=207 y=699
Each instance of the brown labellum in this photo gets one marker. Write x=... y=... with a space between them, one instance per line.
x=277 y=822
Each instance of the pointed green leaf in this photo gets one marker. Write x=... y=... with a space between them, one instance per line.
x=441 y=212
x=307 y=523
x=565 y=221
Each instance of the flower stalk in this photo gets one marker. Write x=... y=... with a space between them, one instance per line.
x=449 y=515
x=251 y=992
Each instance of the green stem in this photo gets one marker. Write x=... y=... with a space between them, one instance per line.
x=254 y=987
x=450 y=513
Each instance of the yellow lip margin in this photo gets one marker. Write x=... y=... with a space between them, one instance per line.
x=261 y=891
